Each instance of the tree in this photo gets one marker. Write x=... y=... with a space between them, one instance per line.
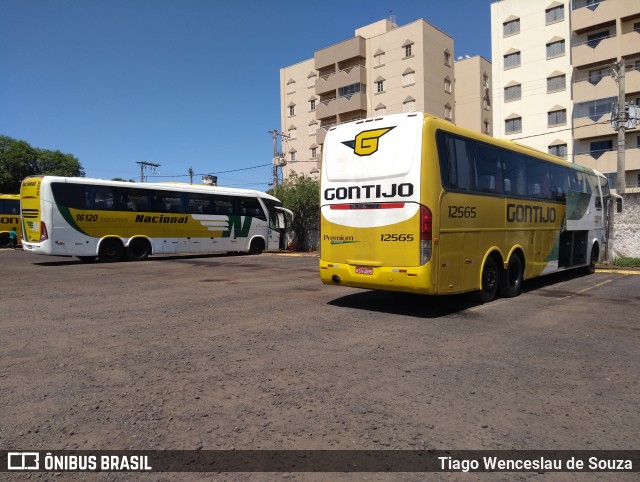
x=19 y=160
x=301 y=195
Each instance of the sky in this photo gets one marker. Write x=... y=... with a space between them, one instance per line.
x=181 y=83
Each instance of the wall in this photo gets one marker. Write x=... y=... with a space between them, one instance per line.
x=626 y=229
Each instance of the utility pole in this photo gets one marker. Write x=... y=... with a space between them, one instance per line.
x=617 y=72
x=143 y=166
x=278 y=157
x=191 y=175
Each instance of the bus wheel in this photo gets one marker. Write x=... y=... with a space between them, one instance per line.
x=490 y=281
x=257 y=246
x=4 y=240
x=511 y=280
x=595 y=254
x=111 y=250
x=139 y=249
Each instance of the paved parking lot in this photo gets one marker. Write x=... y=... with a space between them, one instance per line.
x=253 y=352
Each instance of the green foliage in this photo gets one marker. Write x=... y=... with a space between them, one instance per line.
x=19 y=160
x=627 y=262
x=301 y=195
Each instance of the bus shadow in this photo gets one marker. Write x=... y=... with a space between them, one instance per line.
x=424 y=306
x=406 y=304
x=71 y=261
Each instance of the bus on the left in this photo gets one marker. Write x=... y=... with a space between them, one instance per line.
x=111 y=220
x=9 y=217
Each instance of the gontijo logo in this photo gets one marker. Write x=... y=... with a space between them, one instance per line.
x=366 y=143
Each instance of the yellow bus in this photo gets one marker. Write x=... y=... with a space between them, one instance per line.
x=9 y=217
x=412 y=203
x=89 y=218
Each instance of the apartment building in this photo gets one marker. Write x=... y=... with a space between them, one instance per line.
x=530 y=48
x=383 y=69
x=553 y=88
x=473 y=109
x=605 y=32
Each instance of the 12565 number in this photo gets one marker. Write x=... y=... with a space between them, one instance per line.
x=396 y=237
x=462 y=212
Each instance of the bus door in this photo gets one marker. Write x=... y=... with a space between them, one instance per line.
x=278 y=228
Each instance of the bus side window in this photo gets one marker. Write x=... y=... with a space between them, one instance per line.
x=513 y=173
x=537 y=178
x=489 y=169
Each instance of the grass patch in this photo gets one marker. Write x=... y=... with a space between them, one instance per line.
x=627 y=262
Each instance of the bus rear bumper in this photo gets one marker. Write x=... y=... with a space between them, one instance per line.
x=37 y=248
x=414 y=279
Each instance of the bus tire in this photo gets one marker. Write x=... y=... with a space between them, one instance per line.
x=595 y=254
x=139 y=249
x=490 y=281
x=511 y=279
x=4 y=240
x=257 y=246
x=111 y=250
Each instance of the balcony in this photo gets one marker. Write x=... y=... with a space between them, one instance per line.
x=585 y=128
x=354 y=47
x=608 y=161
x=607 y=11
x=584 y=89
x=326 y=108
x=632 y=81
x=352 y=75
x=326 y=83
x=630 y=43
x=351 y=103
x=594 y=52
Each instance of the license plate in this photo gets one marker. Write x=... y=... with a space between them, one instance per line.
x=364 y=270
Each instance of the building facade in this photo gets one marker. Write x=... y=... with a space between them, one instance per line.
x=553 y=84
x=383 y=69
x=530 y=47
x=473 y=94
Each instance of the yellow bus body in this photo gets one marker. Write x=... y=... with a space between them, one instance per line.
x=360 y=249
x=9 y=217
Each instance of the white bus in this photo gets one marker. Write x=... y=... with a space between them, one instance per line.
x=89 y=218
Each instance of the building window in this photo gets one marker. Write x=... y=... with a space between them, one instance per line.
x=513 y=126
x=597 y=75
x=380 y=110
x=312 y=104
x=557 y=118
x=556 y=83
x=314 y=152
x=447 y=58
x=293 y=133
x=512 y=60
x=311 y=81
x=292 y=110
x=447 y=85
x=292 y=156
x=559 y=150
x=597 y=148
x=408 y=50
x=511 y=27
x=313 y=128
x=447 y=112
x=554 y=14
x=555 y=49
x=594 y=39
x=380 y=86
x=378 y=60
x=594 y=109
x=486 y=127
x=408 y=79
x=636 y=27
x=409 y=106
x=512 y=93
x=349 y=90
x=485 y=81
x=291 y=87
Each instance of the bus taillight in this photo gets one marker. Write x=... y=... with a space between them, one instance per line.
x=44 y=235
x=426 y=234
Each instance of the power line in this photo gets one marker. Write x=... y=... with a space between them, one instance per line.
x=217 y=172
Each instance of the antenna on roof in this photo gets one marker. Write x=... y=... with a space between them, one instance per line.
x=392 y=19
